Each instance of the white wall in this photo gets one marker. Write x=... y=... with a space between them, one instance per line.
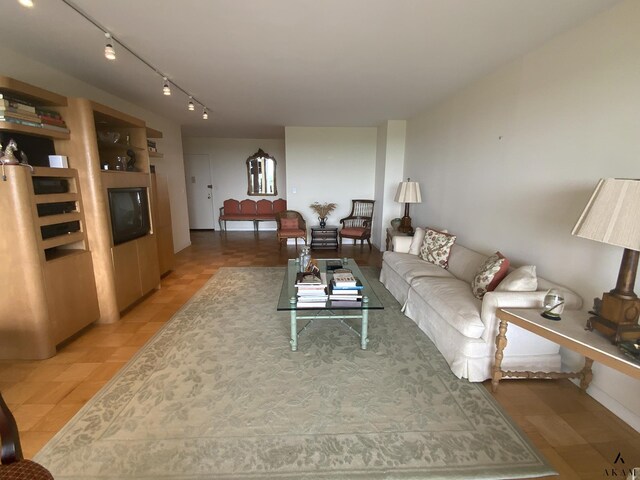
x=27 y=70
x=509 y=163
x=229 y=170
x=389 y=173
x=329 y=164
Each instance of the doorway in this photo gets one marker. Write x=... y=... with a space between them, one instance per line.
x=199 y=181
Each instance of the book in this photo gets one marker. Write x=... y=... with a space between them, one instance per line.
x=312 y=299
x=55 y=128
x=346 y=303
x=9 y=101
x=20 y=114
x=333 y=265
x=19 y=121
x=311 y=304
x=345 y=297
x=344 y=279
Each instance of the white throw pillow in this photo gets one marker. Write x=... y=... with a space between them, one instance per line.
x=522 y=279
x=416 y=242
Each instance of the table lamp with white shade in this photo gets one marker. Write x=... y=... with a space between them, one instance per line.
x=408 y=192
x=612 y=216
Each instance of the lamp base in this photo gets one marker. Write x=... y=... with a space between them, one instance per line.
x=405 y=225
x=617 y=319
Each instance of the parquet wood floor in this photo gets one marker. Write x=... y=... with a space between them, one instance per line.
x=577 y=435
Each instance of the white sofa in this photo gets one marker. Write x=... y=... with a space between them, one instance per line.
x=462 y=326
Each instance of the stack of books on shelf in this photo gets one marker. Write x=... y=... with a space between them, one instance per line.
x=52 y=120
x=346 y=290
x=311 y=290
x=18 y=111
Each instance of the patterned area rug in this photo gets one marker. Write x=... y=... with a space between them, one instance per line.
x=217 y=393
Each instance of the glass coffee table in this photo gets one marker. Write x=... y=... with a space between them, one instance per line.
x=357 y=310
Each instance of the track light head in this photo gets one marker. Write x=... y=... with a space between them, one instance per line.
x=166 y=90
x=190 y=106
x=109 y=52
x=26 y=3
x=205 y=115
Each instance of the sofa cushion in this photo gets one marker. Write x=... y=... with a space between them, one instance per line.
x=437 y=247
x=453 y=301
x=522 y=279
x=464 y=262
x=409 y=266
x=489 y=275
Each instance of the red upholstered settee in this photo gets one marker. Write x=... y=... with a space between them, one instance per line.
x=250 y=210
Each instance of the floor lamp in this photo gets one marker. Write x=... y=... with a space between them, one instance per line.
x=408 y=192
x=612 y=216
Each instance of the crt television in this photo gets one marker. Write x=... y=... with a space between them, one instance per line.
x=129 y=213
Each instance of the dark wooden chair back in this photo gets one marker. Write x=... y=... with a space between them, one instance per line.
x=357 y=225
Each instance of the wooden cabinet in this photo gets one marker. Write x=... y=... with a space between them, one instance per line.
x=49 y=291
x=61 y=268
x=324 y=238
x=124 y=272
x=48 y=288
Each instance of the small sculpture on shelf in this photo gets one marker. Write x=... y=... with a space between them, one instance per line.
x=132 y=161
x=9 y=157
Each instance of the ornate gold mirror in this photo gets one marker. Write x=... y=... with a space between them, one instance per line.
x=261 y=174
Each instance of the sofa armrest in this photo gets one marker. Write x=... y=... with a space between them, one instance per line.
x=492 y=301
x=401 y=244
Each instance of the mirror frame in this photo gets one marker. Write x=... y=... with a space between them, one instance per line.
x=259 y=159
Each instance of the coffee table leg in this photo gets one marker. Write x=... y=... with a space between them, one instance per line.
x=364 y=339
x=294 y=331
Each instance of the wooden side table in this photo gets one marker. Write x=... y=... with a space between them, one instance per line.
x=324 y=238
x=395 y=233
x=570 y=333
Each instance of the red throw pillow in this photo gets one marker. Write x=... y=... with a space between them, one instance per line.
x=490 y=274
x=289 y=223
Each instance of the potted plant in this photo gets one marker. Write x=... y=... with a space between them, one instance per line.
x=323 y=210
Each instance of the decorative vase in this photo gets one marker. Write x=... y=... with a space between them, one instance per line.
x=323 y=221
x=395 y=223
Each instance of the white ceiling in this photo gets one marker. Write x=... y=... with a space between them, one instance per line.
x=262 y=64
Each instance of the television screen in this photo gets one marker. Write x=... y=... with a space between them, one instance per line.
x=129 y=213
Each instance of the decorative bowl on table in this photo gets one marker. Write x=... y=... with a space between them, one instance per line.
x=109 y=137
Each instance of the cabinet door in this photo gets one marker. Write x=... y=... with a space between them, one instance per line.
x=148 y=263
x=125 y=265
x=71 y=294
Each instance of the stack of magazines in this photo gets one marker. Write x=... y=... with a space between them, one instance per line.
x=311 y=290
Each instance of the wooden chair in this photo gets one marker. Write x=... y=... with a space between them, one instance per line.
x=357 y=225
x=291 y=225
x=13 y=465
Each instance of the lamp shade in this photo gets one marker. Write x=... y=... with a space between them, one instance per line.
x=613 y=214
x=408 y=192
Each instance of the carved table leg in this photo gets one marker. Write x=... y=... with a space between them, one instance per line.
x=501 y=343
x=586 y=374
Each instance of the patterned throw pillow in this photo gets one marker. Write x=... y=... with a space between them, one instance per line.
x=489 y=275
x=437 y=247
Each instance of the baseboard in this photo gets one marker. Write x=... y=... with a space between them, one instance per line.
x=630 y=418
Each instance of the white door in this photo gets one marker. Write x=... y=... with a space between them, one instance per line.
x=199 y=192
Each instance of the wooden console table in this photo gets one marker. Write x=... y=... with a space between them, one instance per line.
x=324 y=237
x=570 y=333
